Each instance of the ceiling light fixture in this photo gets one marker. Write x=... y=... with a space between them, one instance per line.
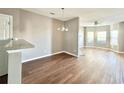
x=63 y=28
x=95 y=22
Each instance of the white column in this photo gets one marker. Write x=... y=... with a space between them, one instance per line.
x=14 y=67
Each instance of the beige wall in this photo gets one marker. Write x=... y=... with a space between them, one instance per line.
x=71 y=37
x=57 y=36
x=40 y=31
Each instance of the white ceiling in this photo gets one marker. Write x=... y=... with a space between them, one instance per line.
x=87 y=15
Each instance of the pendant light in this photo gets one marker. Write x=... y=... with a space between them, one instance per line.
x=63 y=28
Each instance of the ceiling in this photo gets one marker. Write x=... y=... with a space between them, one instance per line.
x=87 y=15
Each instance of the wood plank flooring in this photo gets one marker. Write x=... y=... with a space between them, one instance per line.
x=96 y=67
x=3 y=79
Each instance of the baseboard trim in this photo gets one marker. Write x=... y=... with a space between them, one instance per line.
x=116 y=51
x=70 y=53
x=24 y=61
x=41 y=57
x=105 y=49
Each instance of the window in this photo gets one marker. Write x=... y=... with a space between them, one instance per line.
x=114 y=37
x=101 y=37
x=90 y=38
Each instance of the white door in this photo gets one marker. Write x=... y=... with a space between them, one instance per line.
x=4 y=27
x=5 y=33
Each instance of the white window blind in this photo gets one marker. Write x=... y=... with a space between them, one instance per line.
x=114 y=37
x=101 y=37
x=90 y=37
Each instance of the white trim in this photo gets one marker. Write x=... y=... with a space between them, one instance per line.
x=67 y=53
x=41 y=57
x=70 y=53
x=13 y=51
x=116 y=51
x=104 y=49
x=48 y=56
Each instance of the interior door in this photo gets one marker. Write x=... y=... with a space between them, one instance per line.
x=4 y=27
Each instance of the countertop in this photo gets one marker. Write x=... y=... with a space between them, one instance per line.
x=15 y=44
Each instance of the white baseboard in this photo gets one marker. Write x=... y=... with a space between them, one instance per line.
x=48 y=56
x=105 y=49
x=41 y=57
x=116 y=51
x=70 y=53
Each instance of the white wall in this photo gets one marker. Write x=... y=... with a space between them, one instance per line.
x=81 y=38
x=114 y=27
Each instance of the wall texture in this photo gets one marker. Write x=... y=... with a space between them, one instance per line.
x=57 y=36
x=40 y=31
x=71 y=37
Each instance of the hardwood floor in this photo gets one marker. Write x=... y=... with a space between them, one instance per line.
x=3 y=79
x=96 y=67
